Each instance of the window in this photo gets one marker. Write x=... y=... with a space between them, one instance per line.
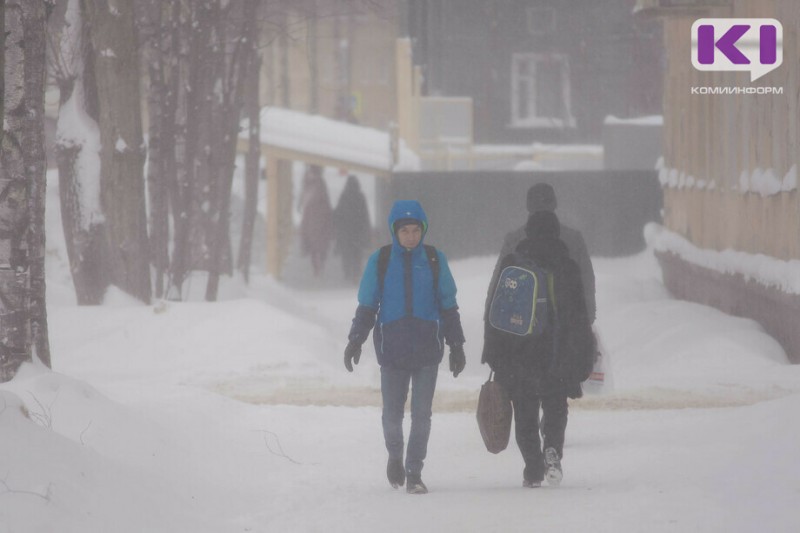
x=540 y=91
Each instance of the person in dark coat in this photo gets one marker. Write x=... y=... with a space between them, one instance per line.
x=542 y=197
x=541 y=372
x=316 y=225
x=353 y=228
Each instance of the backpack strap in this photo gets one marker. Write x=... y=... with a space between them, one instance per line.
x=383 y=264
x=433 y=260
x=551 y=291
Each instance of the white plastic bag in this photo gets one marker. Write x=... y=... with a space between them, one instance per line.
x=600 y=380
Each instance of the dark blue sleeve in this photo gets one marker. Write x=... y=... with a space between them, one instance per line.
x=451 y=319
x=368 y=290
x=368 y=297
x=451 y=326
x=362 y=324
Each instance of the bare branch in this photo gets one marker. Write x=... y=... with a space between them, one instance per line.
x=279 y=452
x=43 y=417
x=84 y=432
x=46 y=496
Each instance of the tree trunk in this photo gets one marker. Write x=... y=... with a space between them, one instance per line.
x=240 y=64
x=161 y=47
x=252 y=170
x=2 y=65
x=77 y=146
x=179 y=171
x=156 y=152
x=313 y=57
x=83 y=234
x=113 y=51
x=23 y=315
x=195 y=36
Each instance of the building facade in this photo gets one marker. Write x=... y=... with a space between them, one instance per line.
x=539 y=70
x=729 y=173
x=334 y=58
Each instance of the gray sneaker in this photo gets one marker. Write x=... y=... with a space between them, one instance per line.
x=552 y=467
x=528 y=484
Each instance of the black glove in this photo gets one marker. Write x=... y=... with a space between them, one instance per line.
x=457 y=359
x=351 y=355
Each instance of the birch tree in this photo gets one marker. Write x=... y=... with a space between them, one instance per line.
x=197 y=56
x=237 y=67
x=78 y=157
x=23 y=315
x=159 y=37
x=251 y=171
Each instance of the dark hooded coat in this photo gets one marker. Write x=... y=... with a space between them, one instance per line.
x=561 y=358
x=351 y=220
x=316 y=225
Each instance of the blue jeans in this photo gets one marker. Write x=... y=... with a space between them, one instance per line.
x=394 y=389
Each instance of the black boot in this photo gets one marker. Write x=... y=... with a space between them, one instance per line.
x=395 y=472
x=532 y=477
x=416 y=486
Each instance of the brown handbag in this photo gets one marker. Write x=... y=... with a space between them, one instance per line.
x=494 y=415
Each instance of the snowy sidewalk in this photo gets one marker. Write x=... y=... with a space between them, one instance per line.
x=138 y=429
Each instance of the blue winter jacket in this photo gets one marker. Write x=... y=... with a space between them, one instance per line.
x=412 y=322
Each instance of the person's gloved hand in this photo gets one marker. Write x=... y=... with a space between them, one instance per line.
x=351 y=355
x=457 y=359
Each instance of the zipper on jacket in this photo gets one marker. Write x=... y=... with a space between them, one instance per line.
x=408 y=283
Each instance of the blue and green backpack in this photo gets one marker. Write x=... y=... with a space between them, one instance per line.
x=524 y=301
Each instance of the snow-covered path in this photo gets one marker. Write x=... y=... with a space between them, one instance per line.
x=139 y=428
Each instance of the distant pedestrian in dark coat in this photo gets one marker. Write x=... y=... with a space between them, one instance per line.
x=542 y=371
x=353 y=228
x=316 y=225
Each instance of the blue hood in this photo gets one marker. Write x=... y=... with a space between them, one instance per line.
x=407 y=209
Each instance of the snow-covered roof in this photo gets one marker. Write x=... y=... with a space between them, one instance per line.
x=344 y=143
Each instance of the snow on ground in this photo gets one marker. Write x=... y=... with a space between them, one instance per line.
x=138 y=429
x=239 y=416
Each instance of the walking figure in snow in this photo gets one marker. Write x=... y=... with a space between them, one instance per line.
x=542 y=197
x=542 y=369
x=408 y=285
x=353 y=228
x=316 y=224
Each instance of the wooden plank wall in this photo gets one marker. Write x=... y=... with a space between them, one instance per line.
x=719 y=137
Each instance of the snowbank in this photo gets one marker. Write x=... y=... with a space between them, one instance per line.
x=768 y=271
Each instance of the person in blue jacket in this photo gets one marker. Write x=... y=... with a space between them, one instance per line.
x=414 y=313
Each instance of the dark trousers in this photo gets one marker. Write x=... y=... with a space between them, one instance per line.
x=526 y=427
x=394 y=389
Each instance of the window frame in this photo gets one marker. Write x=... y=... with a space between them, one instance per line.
x=534 y=119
